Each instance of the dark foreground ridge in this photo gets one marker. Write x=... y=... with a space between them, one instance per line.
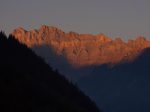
x=28 y=84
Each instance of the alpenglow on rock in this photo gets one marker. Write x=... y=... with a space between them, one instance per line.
x=82 y=50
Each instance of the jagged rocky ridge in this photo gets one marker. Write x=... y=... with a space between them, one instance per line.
x=82 y=50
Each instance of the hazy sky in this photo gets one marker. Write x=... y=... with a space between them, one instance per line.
x=115 y=18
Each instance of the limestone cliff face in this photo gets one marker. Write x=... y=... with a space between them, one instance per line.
x=83 y=49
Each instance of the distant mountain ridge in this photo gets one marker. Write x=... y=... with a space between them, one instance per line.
x=81 y=50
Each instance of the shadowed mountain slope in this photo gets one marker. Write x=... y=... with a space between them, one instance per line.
x=28 y=84
x=122 y=88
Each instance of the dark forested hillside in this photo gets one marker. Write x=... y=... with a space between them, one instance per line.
x=28 y=84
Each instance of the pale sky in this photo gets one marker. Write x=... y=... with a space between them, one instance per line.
x=114 y=18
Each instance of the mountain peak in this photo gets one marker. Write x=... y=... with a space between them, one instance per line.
x=49 y=28
x=141 y=38
x=102 y=37
x=20 y=30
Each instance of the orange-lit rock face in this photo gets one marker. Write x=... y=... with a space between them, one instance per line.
x=83 y=49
